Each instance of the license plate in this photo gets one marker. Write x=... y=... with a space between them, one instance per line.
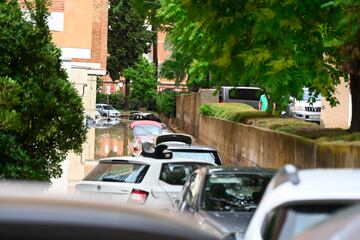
x=314 y=116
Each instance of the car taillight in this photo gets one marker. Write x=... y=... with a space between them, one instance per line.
x=138 y=197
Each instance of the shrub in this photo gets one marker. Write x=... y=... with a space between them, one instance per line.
x=237 y=112
x=166 y=102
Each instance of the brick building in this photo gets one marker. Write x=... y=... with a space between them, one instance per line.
x=79 y=29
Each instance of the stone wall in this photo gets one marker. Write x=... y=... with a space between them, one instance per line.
x=245 y=145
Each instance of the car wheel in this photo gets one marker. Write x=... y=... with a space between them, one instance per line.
x=104 y=115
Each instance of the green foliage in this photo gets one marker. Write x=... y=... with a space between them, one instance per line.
x=206 y=110
x=166 y=102
x=276 y=45
x=237 y=112
x=143 y=84
x=41 y=113
x=128 y=38
x=116 y=99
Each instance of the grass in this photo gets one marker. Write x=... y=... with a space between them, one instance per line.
x=243 y=113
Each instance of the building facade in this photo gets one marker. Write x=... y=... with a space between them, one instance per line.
x=79 y=28
x=340 y=115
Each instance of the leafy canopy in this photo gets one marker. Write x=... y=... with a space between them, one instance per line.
x=143 y=83
x=41 y=113
x=128 y=37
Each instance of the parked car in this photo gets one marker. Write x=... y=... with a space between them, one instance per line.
x=305 y=109
x=143 y=131
x=295 y=200
x=107 y=110
x=43 y=217
x=153 y=180
x=181 y=146
x=344 y=224
x=144 y=116
x=223 y=199
x=247 y=95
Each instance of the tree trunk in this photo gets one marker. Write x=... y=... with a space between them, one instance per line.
x=355 y=98
x=127 y=93
x=155 y=48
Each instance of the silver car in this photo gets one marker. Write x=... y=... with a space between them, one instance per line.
x=107 y=110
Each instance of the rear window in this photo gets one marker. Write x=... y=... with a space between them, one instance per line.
x=245 y=94
x=146 y=130
x=207 y=156
x=118 y=172
x=288 y=222
x=178 y=173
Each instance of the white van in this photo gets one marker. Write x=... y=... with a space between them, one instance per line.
x=303 y=109
x=247 y=95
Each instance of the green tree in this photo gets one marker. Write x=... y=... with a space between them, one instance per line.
x=280 y=46
x=348 y=44
x=128 y=39
x=148 y=10
x=189 y=44
x=41 y=113
x=144 y=83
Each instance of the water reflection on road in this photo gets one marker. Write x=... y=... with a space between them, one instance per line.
x=110 y=141
x=106 y=139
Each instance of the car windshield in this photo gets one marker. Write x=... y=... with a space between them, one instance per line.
x=288 y=222
x=108 y=107
x=207 y=156
x=234 y=192
x=118 y=172
x=146 y=130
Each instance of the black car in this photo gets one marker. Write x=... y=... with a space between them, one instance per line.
x=181 y=145
x=223 y=199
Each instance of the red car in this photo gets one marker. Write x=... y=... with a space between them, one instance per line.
x=143 y=131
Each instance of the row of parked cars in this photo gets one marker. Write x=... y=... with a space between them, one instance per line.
x=174 y=175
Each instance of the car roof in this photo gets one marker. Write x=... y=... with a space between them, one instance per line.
x=257 y=88
x=181 y=146
x=146 y=160
x=244 y=170
x=316 y=185
x=65 y=218
x=145 y=122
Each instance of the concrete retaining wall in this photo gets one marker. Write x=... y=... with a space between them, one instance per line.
x=245 y=145
x=188 y=109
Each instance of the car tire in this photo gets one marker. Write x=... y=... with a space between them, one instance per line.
x=104 y=115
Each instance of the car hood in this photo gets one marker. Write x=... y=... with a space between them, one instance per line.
x=228 y=222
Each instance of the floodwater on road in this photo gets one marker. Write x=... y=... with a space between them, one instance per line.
x=105 y=139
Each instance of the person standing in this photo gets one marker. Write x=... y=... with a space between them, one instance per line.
x=263 y=103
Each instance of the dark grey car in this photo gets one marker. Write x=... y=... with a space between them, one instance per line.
x=42 y=218
x=222 y=200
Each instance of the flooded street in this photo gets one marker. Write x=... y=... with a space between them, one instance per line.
x=105 y=139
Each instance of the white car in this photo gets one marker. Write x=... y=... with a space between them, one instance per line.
x=140 y=180
x=297 y=200
x=107 y=110
x=305 y=110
